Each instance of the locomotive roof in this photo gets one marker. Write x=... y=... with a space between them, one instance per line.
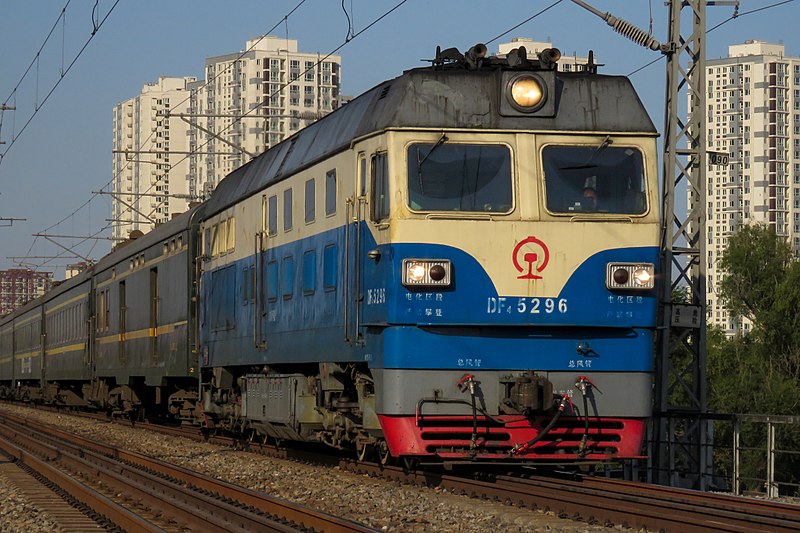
x=439 y=98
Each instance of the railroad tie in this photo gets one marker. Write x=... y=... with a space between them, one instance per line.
x=68 y=518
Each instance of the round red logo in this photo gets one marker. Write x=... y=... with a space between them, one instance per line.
x=534 y=254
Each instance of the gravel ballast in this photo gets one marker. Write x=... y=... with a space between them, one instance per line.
x=381 y=504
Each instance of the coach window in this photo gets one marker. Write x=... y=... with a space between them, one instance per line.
x=287 y=209
x=272 y=226
x=594 y=179
x=380 y=188
x=446 y=176
x=330 y=192
x=310 y=201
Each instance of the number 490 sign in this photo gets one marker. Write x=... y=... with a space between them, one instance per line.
x=718 y=158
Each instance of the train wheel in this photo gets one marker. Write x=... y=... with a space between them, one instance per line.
x=410 y=464
x=365 y=452
x=383 y=452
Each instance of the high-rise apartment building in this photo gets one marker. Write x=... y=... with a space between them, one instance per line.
x=18 y=286
x=256 y=98
x=153 y=178
x=753 y=106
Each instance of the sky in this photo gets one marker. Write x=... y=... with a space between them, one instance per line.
x=63 y=154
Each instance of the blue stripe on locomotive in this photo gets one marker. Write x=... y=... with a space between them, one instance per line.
x=309 y=326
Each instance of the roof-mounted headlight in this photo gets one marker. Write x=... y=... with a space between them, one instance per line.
x=526 y=92
x=426 y=272
x=630 y=276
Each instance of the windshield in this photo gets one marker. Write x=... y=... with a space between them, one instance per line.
x=459 y=177
x=602 y=179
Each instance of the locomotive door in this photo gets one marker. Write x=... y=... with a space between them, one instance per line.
x=371 y=210
x=259 y=276
x=354 y=248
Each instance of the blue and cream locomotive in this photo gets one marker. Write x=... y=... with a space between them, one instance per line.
x=458 y=264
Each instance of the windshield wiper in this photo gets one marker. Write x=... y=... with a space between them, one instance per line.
x=588 y=164
x=443 y=139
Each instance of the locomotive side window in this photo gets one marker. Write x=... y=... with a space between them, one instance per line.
x=309 y=272
x=329 y=270
x=459 y=177
x=330 y=192
x=231 y=234
x=272 y=281
x=601 y=179
x=310 y=201
x=287 y=277
x=287 y=209
x=272 y=227
x=380 y=188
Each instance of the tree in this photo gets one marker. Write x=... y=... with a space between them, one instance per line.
x=756 y=261
x=758 y=373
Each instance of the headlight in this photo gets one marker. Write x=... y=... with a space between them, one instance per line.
x=527 y=93
x=426 y=272
x=636 y=276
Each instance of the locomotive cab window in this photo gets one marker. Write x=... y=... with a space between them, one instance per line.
x=380 y=206
x=594 y=179
x=445 y=176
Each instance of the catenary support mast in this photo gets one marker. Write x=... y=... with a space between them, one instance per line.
x=680 y=451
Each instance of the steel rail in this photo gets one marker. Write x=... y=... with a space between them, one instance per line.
x=197 y=500
x=110 y=510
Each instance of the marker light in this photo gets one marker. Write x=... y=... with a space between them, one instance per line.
x=630 y=276
x=527 y=93
x=426 y=272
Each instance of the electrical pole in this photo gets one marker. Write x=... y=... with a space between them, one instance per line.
x=680 y=451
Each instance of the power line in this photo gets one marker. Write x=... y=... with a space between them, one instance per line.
x=289 y=82
x=554 y=4
x=208 y=82
x=3 y=107
x=732 y=17
x=60 y=79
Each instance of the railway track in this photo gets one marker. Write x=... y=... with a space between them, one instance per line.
x=594 y=500
x=156 y=496
x=600 y=501
x=588 y=499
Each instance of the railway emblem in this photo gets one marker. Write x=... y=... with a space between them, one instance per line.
x=534 y=252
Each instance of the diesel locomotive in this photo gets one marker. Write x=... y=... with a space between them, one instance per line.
x=457 y=265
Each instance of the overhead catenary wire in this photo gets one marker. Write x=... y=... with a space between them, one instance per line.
x=61 y=17
x=735 y=16
x=554 y=4
x=58 y=82
x=174 y=165
x=150 y=136
x=283 y=86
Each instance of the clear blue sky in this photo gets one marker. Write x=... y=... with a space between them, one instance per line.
x=65 y=152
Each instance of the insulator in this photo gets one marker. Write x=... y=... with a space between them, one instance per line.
x=625 y=28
